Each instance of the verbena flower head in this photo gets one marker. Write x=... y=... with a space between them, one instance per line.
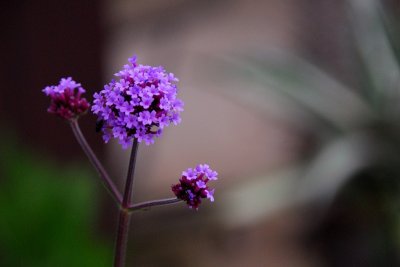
x=139 y=104
x=193 y=187
x=66 y=99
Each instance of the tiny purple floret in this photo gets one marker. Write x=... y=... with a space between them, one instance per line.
x=66 y=99
x=193 y=187
x=143 y=102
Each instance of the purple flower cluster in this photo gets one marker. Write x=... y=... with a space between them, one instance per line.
x=140 y=105
x=193 y=185
x=66 y=99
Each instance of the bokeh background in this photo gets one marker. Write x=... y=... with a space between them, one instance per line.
x=294 y=103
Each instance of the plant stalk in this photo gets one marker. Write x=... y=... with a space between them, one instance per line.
x=106 y=180
x=124 y=215
x=152 y=203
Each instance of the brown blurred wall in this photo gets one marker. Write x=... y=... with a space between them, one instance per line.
x=42 y=41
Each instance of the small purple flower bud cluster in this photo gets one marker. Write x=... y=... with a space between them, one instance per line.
x=193 y=185
x=140 y=105
x=66 y=99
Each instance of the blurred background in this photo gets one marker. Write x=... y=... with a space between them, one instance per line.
x=294 y=103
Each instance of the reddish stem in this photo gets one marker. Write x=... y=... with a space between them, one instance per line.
x=106 y=180
x=124 y=215
x=152 y=203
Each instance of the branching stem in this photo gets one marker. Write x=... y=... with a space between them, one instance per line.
x=152 y=203
x=106 y=180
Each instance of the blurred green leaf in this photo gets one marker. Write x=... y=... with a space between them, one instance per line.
x=48 y=213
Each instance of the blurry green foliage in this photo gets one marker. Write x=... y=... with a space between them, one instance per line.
x=47 y=214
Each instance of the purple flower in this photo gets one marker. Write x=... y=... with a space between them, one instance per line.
x=193 y=187
x=163 y=121
x=210 y=194
x=131 y=121
x=119 y=132
x=66 y=99
x=190 y=174
x=176 y=119
x=178 y=105
x=143 y=102
x=147 y=118
x=126 y=107
x=146 y=101
x=164 y=103
x=201 y=184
